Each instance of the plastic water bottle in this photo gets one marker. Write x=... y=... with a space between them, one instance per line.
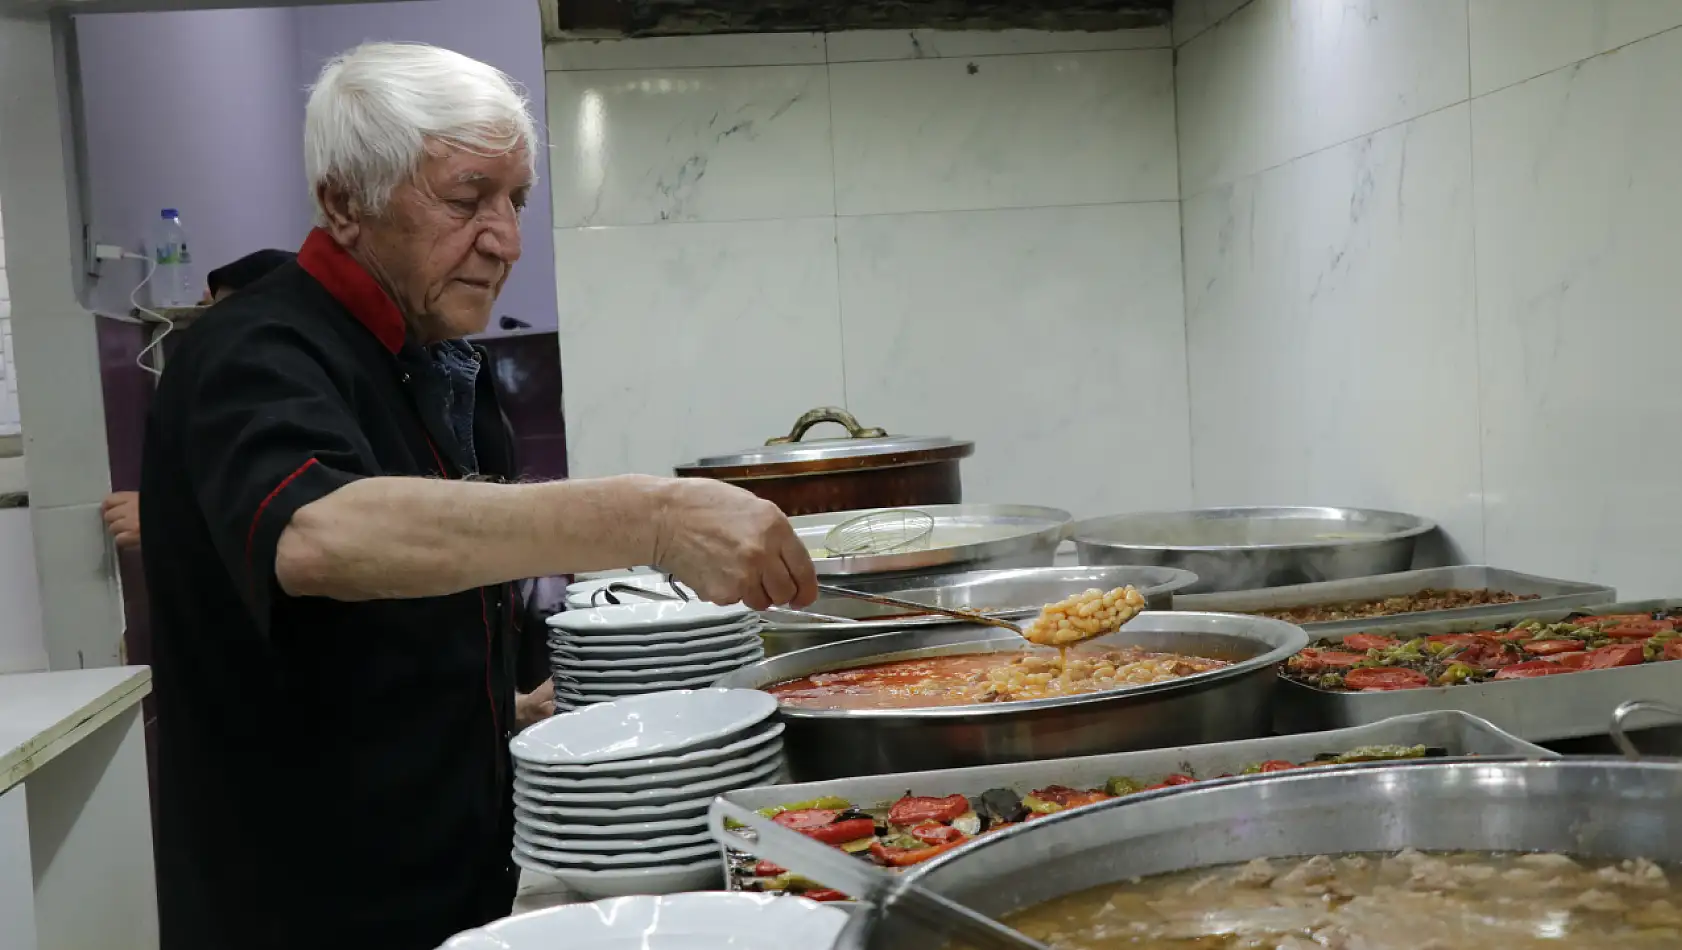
x=172 y=280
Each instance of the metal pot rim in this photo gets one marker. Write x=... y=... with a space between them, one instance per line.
x=1417 y=526
x=1292 y=639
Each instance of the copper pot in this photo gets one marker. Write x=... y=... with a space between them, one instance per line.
x=867 y=469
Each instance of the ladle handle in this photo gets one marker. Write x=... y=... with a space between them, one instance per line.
x=1620 y=716
x=856 y=879
x=969 y=615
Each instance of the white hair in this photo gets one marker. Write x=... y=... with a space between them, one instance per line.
x=374 y=108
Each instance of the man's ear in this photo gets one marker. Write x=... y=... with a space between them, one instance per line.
x=342 y=212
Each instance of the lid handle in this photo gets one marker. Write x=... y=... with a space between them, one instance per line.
x=827 y=414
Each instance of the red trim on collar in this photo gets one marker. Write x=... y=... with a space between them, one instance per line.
x=322 y=258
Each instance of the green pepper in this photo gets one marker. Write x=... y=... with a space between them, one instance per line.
x=1040 y=806
x=1330 y=681
x=1457 y=673
x=830 y=802
x=1380 y=753
x=1122 y=785
x=1438 y=649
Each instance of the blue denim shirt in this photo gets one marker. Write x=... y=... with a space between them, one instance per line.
x=459 y=364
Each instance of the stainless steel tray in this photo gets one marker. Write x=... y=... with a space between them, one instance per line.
x=966 y=537
x=1461 y=734
x=1544 y=709
x=1025 y=589
x=1551 y=594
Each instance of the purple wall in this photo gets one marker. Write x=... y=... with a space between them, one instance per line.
x=508 y=34
x=199 y=111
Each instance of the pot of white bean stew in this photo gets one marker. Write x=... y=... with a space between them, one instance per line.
x=1568 y=854
x=949 y=697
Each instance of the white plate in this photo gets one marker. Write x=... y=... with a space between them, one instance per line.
x=596 y=689
x=539 y=838
x=630 y=831
x=613 y=653
x=673 y=670
x=594 y=859
x=745 y=656
x=644 y=726
x=633 y=767
x=572 y=814
x=579 y=592
x=653 y=638
x=654 y=779
x=759 y=775
x=699 y=876
x=654 y=615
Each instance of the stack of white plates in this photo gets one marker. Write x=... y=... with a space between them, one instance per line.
x=613 y=799
x=606 y=653
x=680 y=922
x=590 y=593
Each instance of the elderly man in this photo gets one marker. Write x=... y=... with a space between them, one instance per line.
x=329 y=540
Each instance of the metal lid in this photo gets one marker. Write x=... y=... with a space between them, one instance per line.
x=860 y=448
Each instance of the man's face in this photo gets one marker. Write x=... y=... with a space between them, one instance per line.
x=447 y=240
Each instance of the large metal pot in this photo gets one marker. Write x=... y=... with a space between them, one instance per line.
x=868 y=469
x=1231 y=703
x=1248 y=548
x=1592 y=808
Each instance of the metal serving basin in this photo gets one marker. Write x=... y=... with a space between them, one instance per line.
x=1248 y=548
x=966 y=537
x=1591 y=808
x=1026 y=589
x=1225 y=704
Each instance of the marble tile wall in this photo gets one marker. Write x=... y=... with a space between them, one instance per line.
x=1430 y=264
x=9 y=422
x=948 y=233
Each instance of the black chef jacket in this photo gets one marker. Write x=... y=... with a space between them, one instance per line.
x=330 y=773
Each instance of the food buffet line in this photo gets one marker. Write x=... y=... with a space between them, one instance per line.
x=1300 y=743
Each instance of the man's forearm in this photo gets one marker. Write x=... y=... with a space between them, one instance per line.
x=420 y=537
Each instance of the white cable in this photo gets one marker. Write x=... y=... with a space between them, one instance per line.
x=134 y=299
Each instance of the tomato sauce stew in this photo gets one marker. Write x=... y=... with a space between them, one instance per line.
x=973 y=678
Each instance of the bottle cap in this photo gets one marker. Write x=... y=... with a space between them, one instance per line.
x=170 y=213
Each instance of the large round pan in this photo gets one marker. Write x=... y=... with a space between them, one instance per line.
x=1590 y=808
x=1230 y=703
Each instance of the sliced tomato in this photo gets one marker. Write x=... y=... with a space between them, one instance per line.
x=1152 y=788
x=1519 y=671
x=1369 y=641
x=1178 y=779
x=1616 y=655
x=1277 y=765
x=933 y=832
x=1552 y=647
x=1385 y=678
x=1603 y=619
x=853 y=829
x=1313 y=660
x=1673 y=650
x=1485 y=653
x=1457 y=639
x=806 y=818
x=1069 y=797
x=767 y=869
x=1635 y=629
x=915 y=811
x=906 y=857
x=1571 y=661
x=825 y=895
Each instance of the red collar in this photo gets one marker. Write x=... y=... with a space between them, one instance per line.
x=322 y=258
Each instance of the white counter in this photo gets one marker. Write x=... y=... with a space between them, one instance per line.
x=76 y=866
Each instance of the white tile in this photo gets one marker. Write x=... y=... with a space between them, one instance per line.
x=1578 y=195
x=65 y=441
x=685 y=340
x=643 y=146
x=1003 y=132
x=5 y=286
x=858 y=46
x=1192 y=17
x=1283 y=78
x=81 y=607
x=676 y=52
x=1515 y=40
x=1052 y=337
x=1330 y=314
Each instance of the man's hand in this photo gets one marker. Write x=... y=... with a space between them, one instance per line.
x=730 y=545
x=122 y=518
x=535 y=706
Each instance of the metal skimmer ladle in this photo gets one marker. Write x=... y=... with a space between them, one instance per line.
x=887 y=892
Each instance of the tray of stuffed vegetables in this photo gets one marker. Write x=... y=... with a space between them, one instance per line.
x=1554 y=675
x=900 y=821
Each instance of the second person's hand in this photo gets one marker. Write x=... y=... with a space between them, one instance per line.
x=729 y=545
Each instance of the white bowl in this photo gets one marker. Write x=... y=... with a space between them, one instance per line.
x=654 y=779
x=654 y=615
x=652 y=638
x=659 y=724
x=699 y=876
x=641 y=655
x=596 y=859
x=538 y=837
x=736 y=748
x=760 y=774
x=630 y=831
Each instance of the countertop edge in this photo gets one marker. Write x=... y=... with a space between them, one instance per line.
x=19 y=762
